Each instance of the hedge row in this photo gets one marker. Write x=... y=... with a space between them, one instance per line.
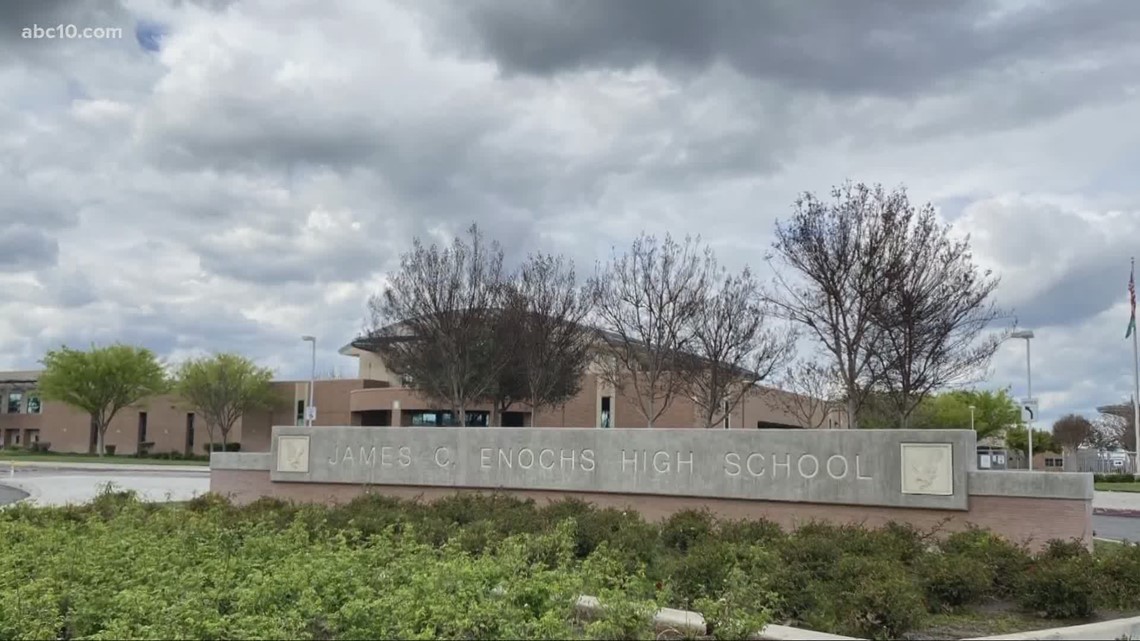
x=489 y=567
x=1114 y=478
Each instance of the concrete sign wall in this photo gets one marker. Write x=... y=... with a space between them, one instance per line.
x=903 y=468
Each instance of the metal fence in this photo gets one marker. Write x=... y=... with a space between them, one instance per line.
x=1084 y=461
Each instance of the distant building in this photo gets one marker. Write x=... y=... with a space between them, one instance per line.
x=374 y=397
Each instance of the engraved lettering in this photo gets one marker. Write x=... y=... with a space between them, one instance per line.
x=348 y=456
x=573 y=458
x=333 y=460
x=386 y=456
x=841 y=459
x=631 y=461
x=505 y=458
x=787 y=465
x=731 y=463
x=859 y=470
x=814 y=463
x=367 y=456
x=748 y=463
x=485 y=458
x=657 y=464
x=588 y=460
x=442 y=457
x=544 y=465
x=685 y=462
x=530 y=453
x=404 y=456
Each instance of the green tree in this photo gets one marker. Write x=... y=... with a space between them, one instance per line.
x=101 y=381
x=222 y=388
x=1017 y=438
x=993 y=411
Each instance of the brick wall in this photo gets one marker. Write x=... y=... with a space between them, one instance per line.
x=1033 y=520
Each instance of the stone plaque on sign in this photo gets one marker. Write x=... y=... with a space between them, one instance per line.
x=927 y=468
x=293 y=454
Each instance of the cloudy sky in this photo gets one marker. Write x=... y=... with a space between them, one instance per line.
x=232 y=175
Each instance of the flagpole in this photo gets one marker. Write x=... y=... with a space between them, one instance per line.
x=1135 y=379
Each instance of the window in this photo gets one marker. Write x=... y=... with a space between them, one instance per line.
x=14 y=399
x=446 y=419
x=190 y=432
x=33 y=404
x=605 y=422
x=300 y=412
x=727 y=423
x=142 y=427
x=1051 y=461
x=33 y=436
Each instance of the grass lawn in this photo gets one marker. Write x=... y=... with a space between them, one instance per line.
x=1117 y=487
x=16 y=455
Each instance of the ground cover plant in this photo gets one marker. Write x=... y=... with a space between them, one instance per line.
x=492 y=567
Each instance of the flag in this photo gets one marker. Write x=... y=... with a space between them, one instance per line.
x=1132 y=300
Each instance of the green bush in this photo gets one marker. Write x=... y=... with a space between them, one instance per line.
x=684 y=529
x=699 y=574
x=1061 y=588
x=952 y=581
x=750 y=532
x=1059 y=549
x=1006 y=560
x=870 y=597
x=1118 y=574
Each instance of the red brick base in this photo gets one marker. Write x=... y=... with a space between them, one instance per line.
x=1032 y=520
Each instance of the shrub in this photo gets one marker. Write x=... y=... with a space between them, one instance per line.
x=750 y=532
x=1064 y=549
x=952 y=581
x=1118 y=574
x=109 y=450
x=699 y=574
x=684 y=529
x=1061 y=588
x=740 y=611
x=870 y=597
x=1007 y=561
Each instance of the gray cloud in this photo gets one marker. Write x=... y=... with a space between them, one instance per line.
x=886 y=47
x=24 y=248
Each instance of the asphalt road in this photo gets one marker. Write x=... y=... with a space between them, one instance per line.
x=1117 y=527
x=10 y=495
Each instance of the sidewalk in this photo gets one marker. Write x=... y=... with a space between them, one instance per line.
x=7 y=466
x=74 y=489
x=1117 y=503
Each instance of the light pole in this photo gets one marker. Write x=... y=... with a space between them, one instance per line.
x=1027 y=334
x=312 y=380
x=972 y=419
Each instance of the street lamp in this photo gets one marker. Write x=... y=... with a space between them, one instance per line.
x=312 y=380
x=1027 y=334
x=972 y=419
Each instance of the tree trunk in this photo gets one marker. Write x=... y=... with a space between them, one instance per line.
x=496 y=417
x=99 y=444
x=852 y=423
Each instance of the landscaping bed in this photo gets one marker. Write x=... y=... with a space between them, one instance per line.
x=16 y=454
x=493 y=567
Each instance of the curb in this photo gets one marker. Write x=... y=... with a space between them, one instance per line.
x=1111 y=511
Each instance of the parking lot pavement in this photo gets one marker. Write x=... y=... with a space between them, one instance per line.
x=62 y=487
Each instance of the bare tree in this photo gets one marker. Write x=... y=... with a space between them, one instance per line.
x=435 y=322
x=932 y=318
x=1072 y=431
x=897 y=303
x=841 y=253
x=551 y=341
x=645 y=301
x=734 y=347
x=809 y=391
